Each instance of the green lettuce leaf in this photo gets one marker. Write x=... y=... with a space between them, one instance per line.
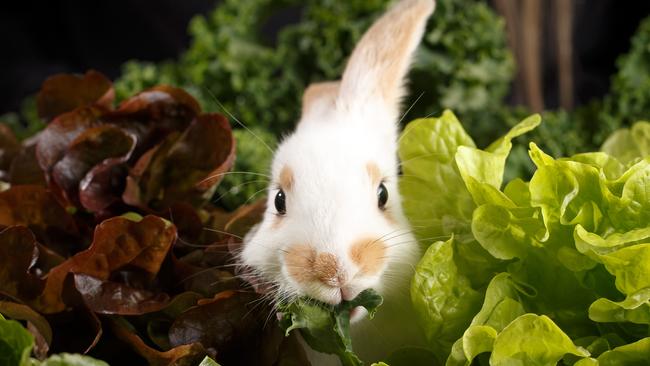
x=15 y=343
x=635 y=308
x=630 y=204
x=568 y=192
x=503 y=303
x=477 y=339
x=434 y=196
x=608 y=165
x=486 y=167
x=532 y=340
x=207 y=361
x=326 y=328
x=507 y=233
x=627 y=145
x=442 y=297
x=633 y=354
x=630 y=266
x=67 y=359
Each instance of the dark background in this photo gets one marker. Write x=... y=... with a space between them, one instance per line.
x=40 y=38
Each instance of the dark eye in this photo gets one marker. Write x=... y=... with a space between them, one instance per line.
x=280 y=202
x=382 y=196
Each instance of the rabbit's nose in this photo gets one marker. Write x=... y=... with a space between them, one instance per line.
x=328 y=270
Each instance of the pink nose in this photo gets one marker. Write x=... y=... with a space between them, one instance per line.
x=328 y=270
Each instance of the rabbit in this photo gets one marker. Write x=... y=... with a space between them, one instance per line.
x=334 y=224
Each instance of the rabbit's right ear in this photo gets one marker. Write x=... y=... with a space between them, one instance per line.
x=379 y=63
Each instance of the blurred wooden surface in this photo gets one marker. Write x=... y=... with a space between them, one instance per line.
x=527 y=24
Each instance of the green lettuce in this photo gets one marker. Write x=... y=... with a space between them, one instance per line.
x=68 y=359
x=16 y=345
x=207 y=361
x=555 y=269
x=326 y=328
x=628 y=144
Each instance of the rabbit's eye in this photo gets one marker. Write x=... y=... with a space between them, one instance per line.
x=382 y=196
x=280 y=202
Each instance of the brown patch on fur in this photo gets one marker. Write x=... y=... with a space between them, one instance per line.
x=324 y=92
x=374 y=173
x=368 y=254
x=304 y=265
x=327 y=269
x=286 y=178
x=299 y=260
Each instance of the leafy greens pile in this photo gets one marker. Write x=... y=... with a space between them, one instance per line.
x=555 y=269
x=108 y=243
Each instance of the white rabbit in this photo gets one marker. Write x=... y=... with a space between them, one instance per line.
x=334 y=225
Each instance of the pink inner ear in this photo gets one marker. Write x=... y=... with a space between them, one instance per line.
x=319 y=96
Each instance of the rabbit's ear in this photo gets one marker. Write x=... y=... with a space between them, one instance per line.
x=319 y=97
x=381 y=59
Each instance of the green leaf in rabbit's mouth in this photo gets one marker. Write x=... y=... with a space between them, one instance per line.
x=326 y=328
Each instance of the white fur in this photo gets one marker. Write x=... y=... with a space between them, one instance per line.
x=333 y=201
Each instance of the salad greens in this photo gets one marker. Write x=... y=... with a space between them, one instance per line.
x=16 y=344
x=326 y=328
x=531 y=273
x=207 y=361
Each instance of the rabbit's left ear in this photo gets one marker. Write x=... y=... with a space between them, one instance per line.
x=319 y=97
x=379 y=63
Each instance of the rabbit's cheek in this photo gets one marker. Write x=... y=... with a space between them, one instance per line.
x=368 y=255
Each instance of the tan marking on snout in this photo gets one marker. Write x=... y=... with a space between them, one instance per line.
x=304 y=265
x=369 y=255
x=327 y=269
x=299 y=260
x=374 y=173
x=286 y=178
